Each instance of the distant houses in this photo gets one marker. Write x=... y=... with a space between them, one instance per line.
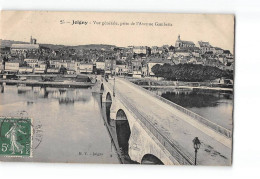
x=122 y=69
x=100 y=64
x=86 y=67
x=136 y=61
x=139 y=49
x=136 y=68
x=2 y=66
x=110 y=65
x=12 y=66
x=204 y=47
x=31 y=62
x=22 y=48
x=40 y=69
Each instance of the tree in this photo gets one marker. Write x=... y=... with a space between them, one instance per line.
x=156 y=70
x=189 y=72
x=63 y=70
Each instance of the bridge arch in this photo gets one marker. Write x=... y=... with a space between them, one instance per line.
x=102 y=88
x=108 y=97
x=123 y=131
x=108 y=107
x=150 y=159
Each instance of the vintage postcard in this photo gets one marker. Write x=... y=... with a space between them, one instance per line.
x=116 y=88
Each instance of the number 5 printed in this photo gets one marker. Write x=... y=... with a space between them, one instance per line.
x=4 y=147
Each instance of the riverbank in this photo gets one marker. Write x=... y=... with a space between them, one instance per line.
x=65 y=84
x=204 y=88
x=195 y=86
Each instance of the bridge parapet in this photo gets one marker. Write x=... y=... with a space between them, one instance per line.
x=173 y=149
x=168 y=144
x=221 y=130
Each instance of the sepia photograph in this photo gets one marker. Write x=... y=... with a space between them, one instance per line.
x=117 y=88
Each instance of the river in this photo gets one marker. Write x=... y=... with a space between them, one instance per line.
x=215 y=106
x=70 y=126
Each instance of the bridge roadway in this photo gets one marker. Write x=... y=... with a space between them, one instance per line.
x=180 y=128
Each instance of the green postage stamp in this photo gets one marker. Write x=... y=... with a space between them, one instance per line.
x=15 y=137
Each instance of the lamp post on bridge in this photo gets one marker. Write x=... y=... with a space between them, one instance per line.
x=196 y=145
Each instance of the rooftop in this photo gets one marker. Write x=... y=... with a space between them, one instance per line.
x=157 y=60
x=14 y=61
x=100 y=59
x=183 y=41
x=188 y=42
x=204 y=44
x=25 y=46
x=217 y=48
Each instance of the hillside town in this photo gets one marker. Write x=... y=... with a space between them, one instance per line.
x=134 y=61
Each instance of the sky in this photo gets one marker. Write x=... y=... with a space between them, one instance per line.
x=58 y=28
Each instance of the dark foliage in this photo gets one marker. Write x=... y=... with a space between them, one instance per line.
x=189 y=72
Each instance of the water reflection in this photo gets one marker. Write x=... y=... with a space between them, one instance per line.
x=63 y=95
x=195 y=99
x=108 y=105
x=71 y=119
x=2 y=88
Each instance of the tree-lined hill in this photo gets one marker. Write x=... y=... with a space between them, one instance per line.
x=8 y=43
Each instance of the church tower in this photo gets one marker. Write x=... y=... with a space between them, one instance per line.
x=33 y=41
x=178 y=42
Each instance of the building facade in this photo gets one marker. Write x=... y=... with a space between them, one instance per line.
x=21 y=48
x=12 y=66
x=183 y=44
x=110 y=65
x=140 y=49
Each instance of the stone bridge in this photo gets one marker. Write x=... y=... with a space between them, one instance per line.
x=152 y=130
